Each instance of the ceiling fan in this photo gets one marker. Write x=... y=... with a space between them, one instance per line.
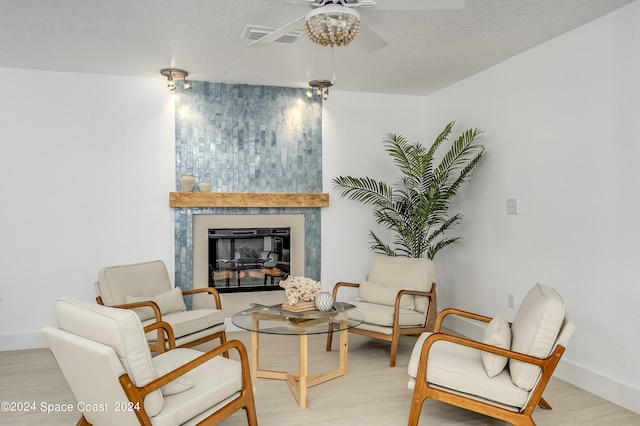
x=337 y=22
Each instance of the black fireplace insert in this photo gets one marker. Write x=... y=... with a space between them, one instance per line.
x=248 y=259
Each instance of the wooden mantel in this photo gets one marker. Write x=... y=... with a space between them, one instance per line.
x=248 y=199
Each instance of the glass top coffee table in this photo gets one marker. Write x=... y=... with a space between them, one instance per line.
x=260 y=319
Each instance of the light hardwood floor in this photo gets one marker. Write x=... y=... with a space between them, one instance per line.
x=371 y=394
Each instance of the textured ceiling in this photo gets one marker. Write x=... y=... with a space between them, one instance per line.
x=427 y=49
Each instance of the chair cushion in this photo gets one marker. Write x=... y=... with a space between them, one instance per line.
x=384 y=294
x=403 y=273
x=119 y=329
x=534 y=331
x=497 y=333
x=168 y=302
x=137 y=279
x=460 y=368
x=188 y=322
x=382 y=315
x=163 y=364
x=215 y=381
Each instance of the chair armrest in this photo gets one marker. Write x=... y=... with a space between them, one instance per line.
x=138 y=393
x=461 y=313
x=431 y=293
x=342 y=284
x=483 y=347
x=157 y=325
x=430 y=313
x=153 y=305
x=166 y=327
x=415 y=293
x=210 y=290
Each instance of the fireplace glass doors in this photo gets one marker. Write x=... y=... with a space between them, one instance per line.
x=248 y=259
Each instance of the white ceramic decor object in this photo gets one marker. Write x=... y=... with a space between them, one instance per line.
x=187 y=182
x=204 y=186
x=324 y=301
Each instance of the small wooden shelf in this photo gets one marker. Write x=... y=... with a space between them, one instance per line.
x=248 y=199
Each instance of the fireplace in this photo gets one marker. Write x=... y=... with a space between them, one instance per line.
x=248 y=259
x=204 y=224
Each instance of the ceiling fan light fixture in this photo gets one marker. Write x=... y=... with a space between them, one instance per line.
x=332 y=25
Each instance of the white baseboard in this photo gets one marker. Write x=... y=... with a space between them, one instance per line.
x=605 y=387
x=20 y=341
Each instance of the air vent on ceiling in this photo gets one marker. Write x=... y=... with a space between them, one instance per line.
x=255 y=32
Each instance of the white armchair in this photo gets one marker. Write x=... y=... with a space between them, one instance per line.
x=105 y=358
x=397 y=298
x=146 y=288
x=504 y=375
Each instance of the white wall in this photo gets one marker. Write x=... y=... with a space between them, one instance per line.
x=561 y=132
x=353 y=127
x=87 y=165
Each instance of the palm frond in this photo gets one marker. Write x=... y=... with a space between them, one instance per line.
x=407 y=156
x=380 y=247
x=441 y=138
x=461 y=150
x=364 y=190
x=444 y=226
x=464 y=175
x=440 y=245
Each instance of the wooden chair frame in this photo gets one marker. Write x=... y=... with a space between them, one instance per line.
x=423 y=390
x=159 y=346
x=137 y=394
x=397 y=330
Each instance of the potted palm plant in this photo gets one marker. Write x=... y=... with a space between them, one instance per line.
x=416 y=207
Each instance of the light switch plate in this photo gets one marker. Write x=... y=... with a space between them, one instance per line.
x=512 y=206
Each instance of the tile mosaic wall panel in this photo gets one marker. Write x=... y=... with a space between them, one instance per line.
x=245 y=138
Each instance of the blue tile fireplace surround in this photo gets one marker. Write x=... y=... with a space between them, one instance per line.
x=244 y=138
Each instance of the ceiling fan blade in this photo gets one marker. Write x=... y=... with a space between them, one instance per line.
x=418 y=4
x=278 y=33
x=369 y=39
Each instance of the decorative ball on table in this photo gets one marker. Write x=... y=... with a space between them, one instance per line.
x=324 y=301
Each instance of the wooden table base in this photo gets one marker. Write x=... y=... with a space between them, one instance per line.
x=301 y=382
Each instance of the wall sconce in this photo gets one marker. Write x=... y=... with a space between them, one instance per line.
x=320 y=88
x=174 y=74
